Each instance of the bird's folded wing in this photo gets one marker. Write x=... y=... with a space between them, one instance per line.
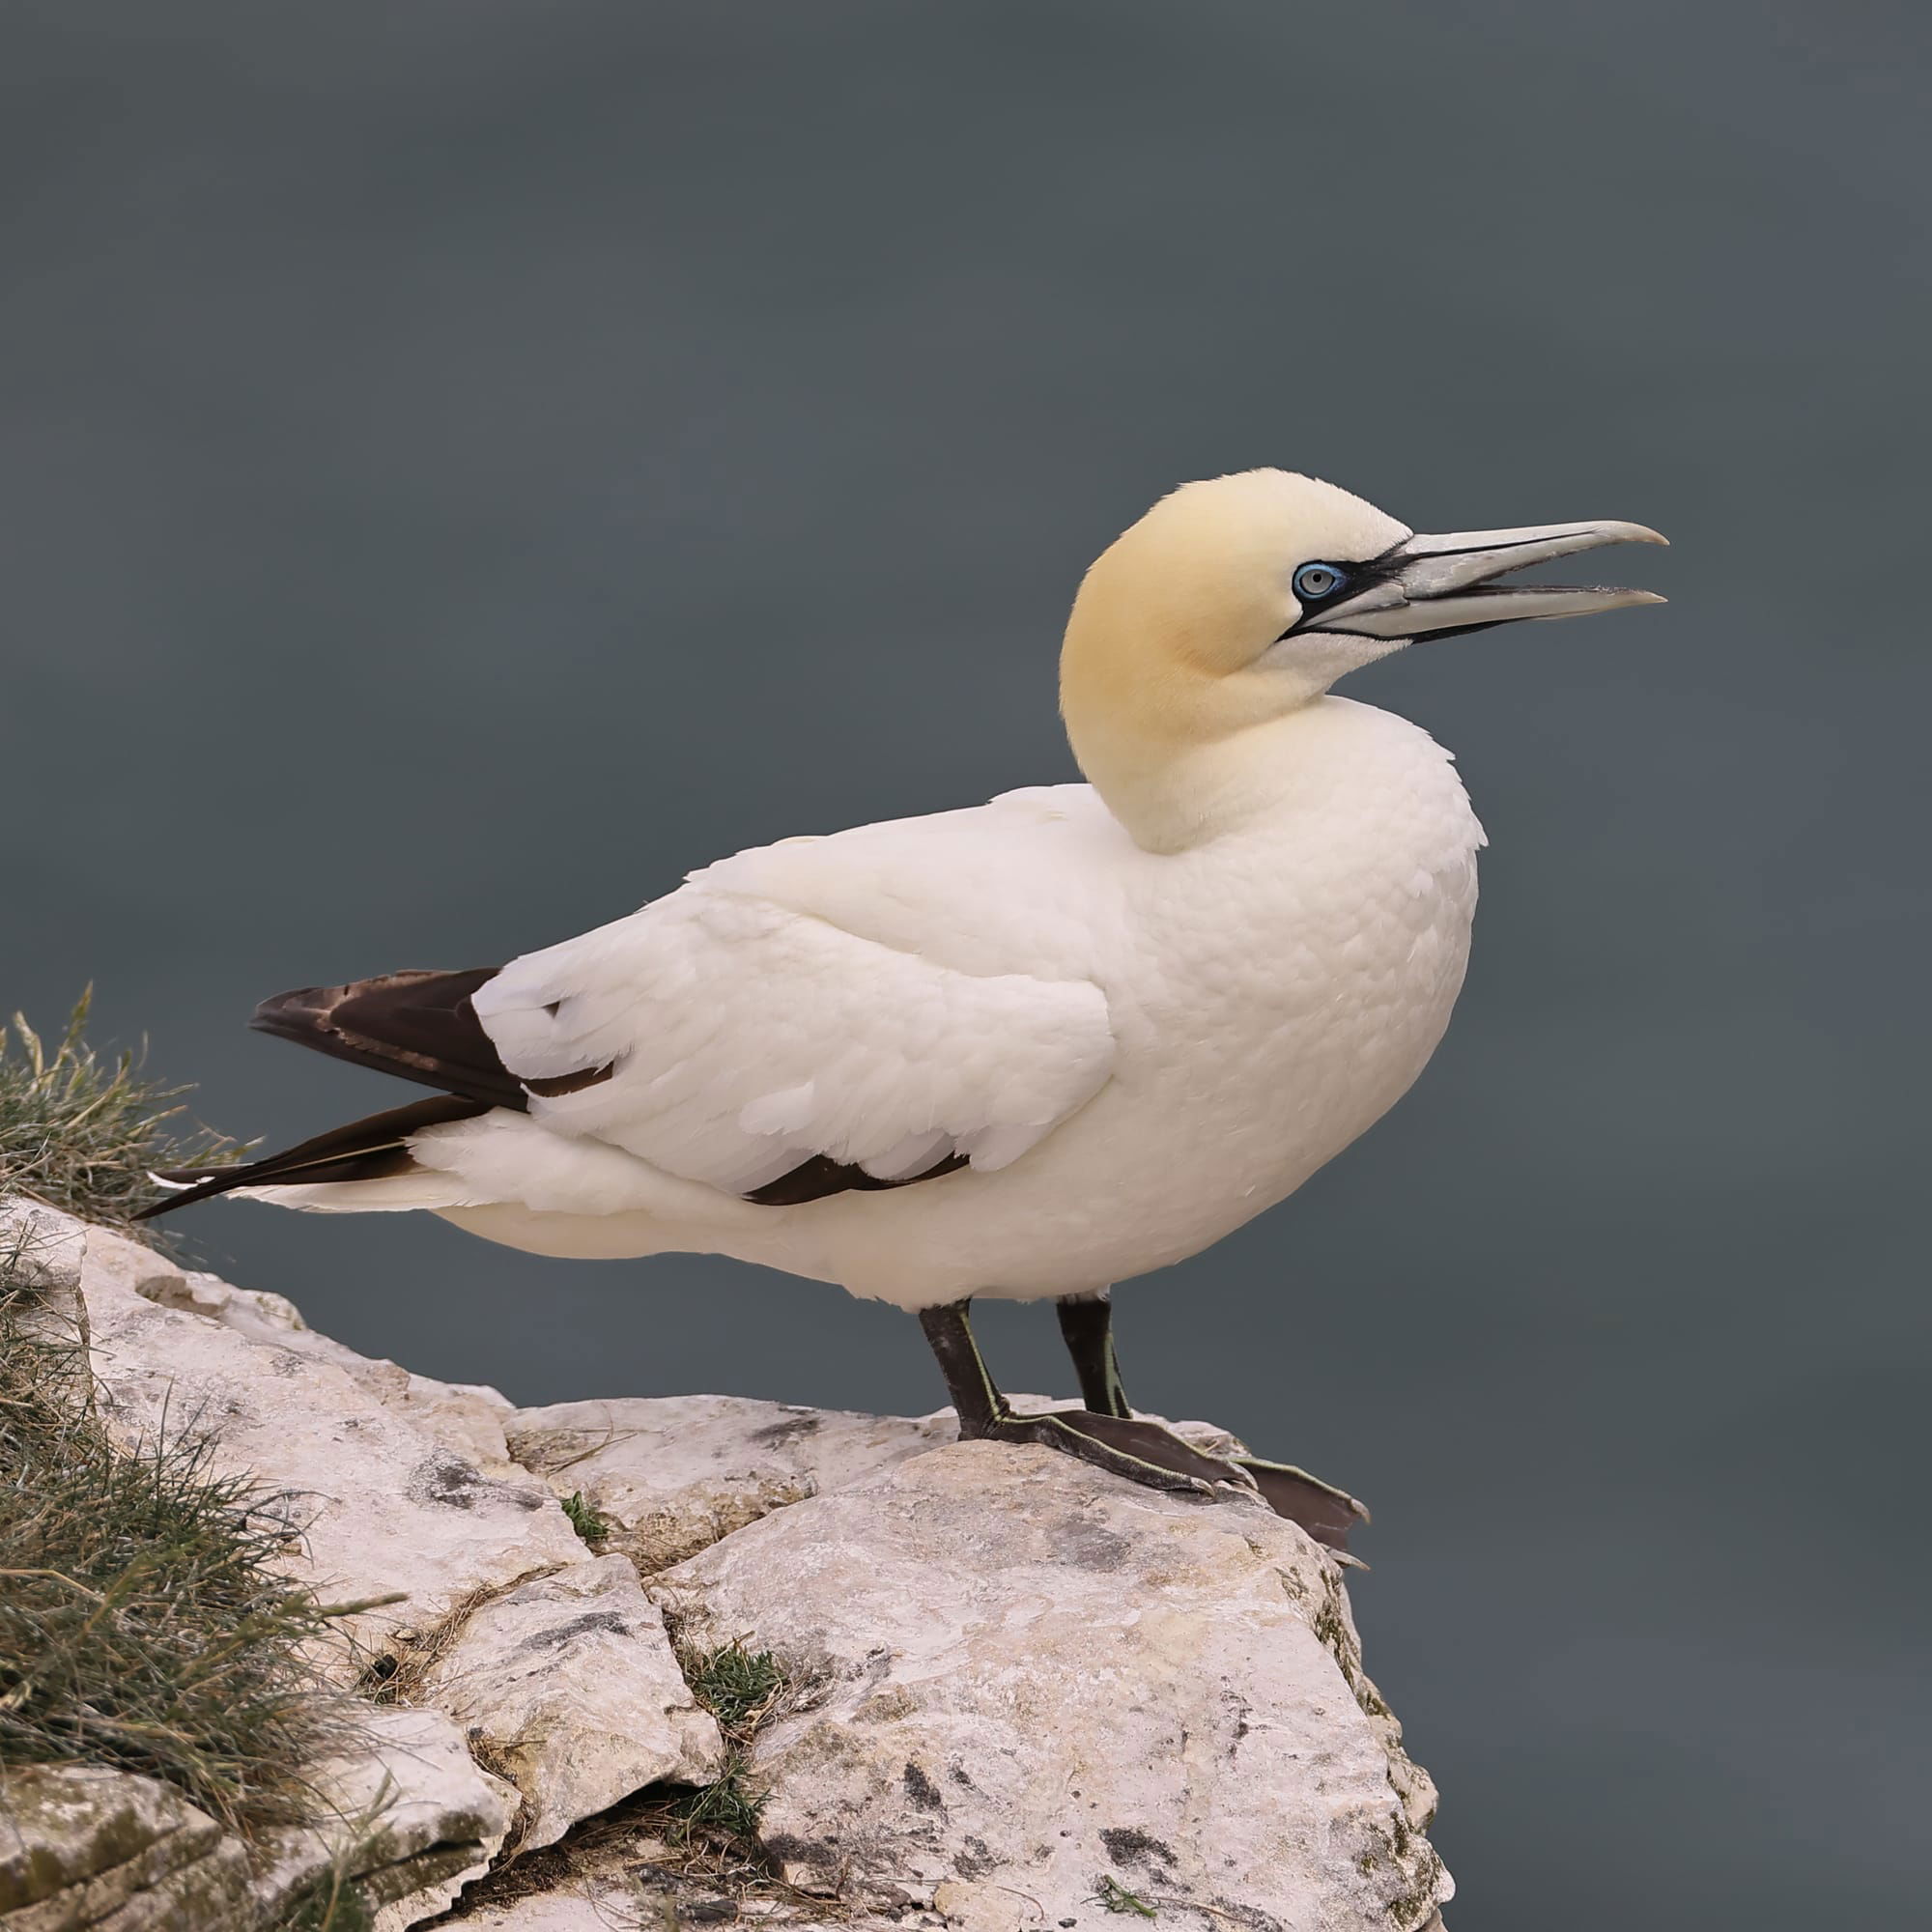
x=730 y=1041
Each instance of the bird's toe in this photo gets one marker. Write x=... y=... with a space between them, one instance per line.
x=1142 y=1452
x=1327 y=1513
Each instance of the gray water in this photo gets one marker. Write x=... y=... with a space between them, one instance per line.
x=462 y=465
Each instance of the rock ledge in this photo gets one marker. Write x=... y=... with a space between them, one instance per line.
x=1017 y=1693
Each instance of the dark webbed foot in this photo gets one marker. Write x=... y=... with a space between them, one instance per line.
x=1109 y=1436
x=1142 y=1452
x=1327 y=1513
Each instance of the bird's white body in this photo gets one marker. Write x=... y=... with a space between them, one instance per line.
x=1057 y=1039
x=1201 y=1028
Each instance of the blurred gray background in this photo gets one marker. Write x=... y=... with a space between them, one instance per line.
x=464 y=464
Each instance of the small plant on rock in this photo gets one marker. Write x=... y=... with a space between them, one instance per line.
x=144 y=1619
x=83 y=1132
x=1114 y=1897
x=743 y=1689
x=584 y=1518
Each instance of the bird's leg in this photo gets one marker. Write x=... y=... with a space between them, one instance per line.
x=1087 y=1327
x=949 y=1334
x=1142 y=1452
x=1324 y=1512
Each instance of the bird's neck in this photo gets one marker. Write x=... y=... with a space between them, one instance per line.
x=1184 y=798
x=1179 y=755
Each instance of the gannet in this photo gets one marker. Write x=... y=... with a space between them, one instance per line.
x=1023 y=1050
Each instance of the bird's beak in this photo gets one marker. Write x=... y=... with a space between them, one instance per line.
x=1431 y=585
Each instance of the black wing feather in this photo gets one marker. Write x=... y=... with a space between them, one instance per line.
x=417 y=1025
x=369 y=1149
x=422 y=1026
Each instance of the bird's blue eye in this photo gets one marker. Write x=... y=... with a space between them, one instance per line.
x=1314 y=581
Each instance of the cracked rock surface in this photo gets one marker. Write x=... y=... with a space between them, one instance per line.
x=1018 y=1693
x=567 y=1684
x=410 y=1815
x=384 y=1503
x=673 y=1474
x=1036 y=1683
x=87 y=1846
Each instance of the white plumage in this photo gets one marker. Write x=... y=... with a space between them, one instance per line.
x=750 y=1031
x=1142 y=1009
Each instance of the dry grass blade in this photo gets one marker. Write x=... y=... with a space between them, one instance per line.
x=144 y=1621
x=82 y=1132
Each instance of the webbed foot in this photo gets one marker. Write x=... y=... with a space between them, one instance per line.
x=1327 y=1513
x=1142 y=1452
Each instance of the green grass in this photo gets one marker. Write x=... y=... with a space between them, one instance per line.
x=741 y=1689
x=81 y=1132
x=725 y=1810
x=1114 y=1897
x=583 y=1517
x=330 y=1905
x=143 y=1624
x=737 y=1686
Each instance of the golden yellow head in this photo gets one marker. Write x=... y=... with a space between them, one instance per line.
x=1237 y=602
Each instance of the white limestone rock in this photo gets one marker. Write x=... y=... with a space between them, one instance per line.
x=409 y=1818
x=673 y=1474
x=376 y=1504
x=468 y=1417
x=568 y=1686
x=85 y=1848
x=1033 y=1679
x=615 y=1905
x=1024 y=1681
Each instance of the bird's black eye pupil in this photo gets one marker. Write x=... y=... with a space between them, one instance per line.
x=1314 y=581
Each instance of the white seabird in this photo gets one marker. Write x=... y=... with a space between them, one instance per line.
x=1023 y=1050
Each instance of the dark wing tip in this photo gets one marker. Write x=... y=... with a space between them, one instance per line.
x=302 y=1008
x=417 y=1024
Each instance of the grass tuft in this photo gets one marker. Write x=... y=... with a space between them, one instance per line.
x=330 y=1905
x=142 y=1622
x=737 y=1686
x=584 y=1518
x=727 y=1810
x=82 y=1132
x=742 y=1689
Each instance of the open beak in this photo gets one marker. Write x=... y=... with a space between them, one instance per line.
x=1428 y=586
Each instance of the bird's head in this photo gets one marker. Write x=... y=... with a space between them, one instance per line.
x=1240 y=600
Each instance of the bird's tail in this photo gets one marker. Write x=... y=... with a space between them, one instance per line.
x=313 y=1174
x=417 y=1025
